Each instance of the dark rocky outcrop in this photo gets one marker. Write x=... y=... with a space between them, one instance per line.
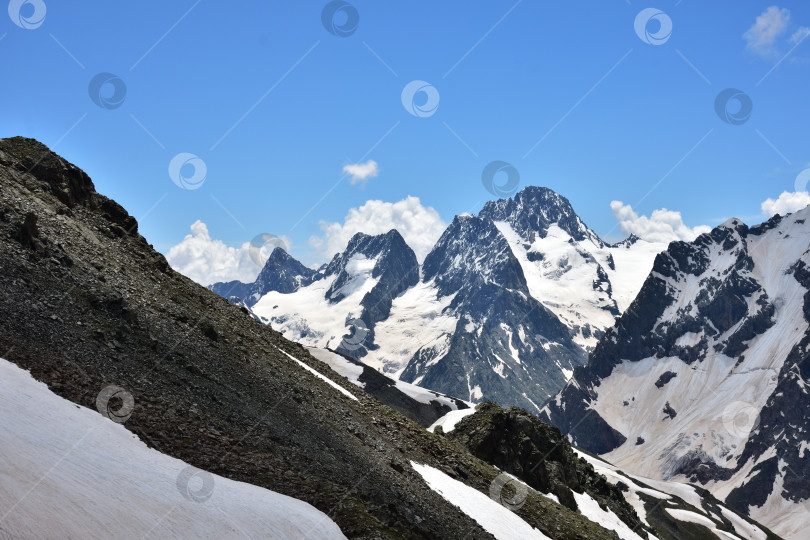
x=521 y=444
x=665 y=378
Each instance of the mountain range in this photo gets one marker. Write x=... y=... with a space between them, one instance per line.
x=504 y=307
x=137 y=403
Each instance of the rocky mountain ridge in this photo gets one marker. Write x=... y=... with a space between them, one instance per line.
x=704 y=379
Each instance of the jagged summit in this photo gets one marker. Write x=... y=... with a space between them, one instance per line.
x=380 y=255
x=627 y=242
x=281 y=273
x=533 y=210
x=731 y=223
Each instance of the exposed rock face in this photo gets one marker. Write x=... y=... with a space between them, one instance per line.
x=534 y=210
x=69 y=184
x=64 y=180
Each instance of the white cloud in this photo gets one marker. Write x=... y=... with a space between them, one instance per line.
x=787 y=203
x=761 y=37
x=799 y=35
x=419 y=225
x=208 y=261
x=361 y=172
x=661 y=226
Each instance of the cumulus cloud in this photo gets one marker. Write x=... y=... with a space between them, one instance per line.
x=787 y=203
x=661 y=226
x=362 y=172
x=208 y=261
x=761 y=37
x=420 y=226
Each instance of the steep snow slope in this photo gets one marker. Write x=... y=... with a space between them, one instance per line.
x=633 y=259
x=692 y=383
x=587 y=284
x=564 y=282
x=420 y=320
x=568 y=267
x=307 y=317
x=448 y=421
x=69 y=472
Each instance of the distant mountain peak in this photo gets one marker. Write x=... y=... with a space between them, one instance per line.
x=370 y=246
x=381 y=252
x=281 y=272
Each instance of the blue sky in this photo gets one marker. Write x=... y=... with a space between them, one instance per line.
x=275 y=106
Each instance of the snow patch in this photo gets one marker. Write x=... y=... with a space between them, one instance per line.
x=449 y=420
x=339 y=365
x=68 y=472
x=496 y=519
x=324 y=378
x=590 y=509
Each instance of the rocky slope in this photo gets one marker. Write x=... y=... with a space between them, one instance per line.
x=704 y=378
x=86 y=302
x=507 y=305
x=526 y=448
